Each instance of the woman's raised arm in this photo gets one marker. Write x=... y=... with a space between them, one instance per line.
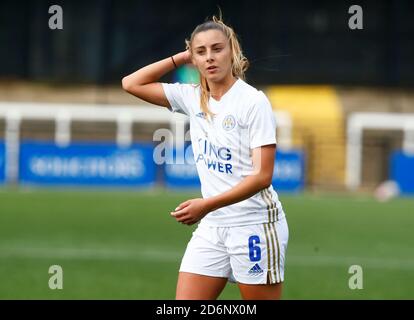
x=143 y=82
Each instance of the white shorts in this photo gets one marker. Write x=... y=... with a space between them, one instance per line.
x=251 y=254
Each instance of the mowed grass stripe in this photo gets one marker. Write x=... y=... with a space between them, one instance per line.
x=124 y=244
x=157 y=255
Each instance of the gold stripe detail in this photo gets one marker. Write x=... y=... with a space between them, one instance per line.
x=278 y=251
x=267 y=204
x=272 y=206
x=274 y=252
x=269 y=273
x=269 y=233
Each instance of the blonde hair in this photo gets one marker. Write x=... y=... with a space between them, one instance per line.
x=239 y=61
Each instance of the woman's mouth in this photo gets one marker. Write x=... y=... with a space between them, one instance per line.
x=212 y=69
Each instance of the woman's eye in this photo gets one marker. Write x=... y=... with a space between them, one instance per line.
x=217 y=49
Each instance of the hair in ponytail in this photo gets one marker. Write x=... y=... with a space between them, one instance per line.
x=239 y=61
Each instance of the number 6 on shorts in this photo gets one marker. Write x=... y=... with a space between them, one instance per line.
x=255 y=253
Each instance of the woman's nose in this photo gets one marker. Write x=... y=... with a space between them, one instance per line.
x=209 y=56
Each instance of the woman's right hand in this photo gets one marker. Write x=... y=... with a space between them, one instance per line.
x=144 y=83
x=187 y=56
x=183 y=57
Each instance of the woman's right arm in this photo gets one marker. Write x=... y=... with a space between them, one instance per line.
x=143 y=82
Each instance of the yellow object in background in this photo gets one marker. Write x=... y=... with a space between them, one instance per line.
x=318 y=128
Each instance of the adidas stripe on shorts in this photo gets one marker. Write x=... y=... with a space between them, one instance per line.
x=250 y=254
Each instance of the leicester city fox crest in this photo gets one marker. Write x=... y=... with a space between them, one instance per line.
x=229 y=122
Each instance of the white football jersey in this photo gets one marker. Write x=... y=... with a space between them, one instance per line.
x=222 y=146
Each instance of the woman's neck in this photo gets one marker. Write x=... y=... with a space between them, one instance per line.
x=218 y=89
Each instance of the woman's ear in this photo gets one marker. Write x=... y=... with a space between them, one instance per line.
x=193 y=61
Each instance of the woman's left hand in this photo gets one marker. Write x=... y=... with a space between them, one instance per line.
x=191 y=211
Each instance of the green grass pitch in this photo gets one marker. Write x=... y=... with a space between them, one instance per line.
x=124 y=245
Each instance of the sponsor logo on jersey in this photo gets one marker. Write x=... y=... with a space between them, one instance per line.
x=216 y=158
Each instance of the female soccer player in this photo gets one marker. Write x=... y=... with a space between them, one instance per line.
x=243 y=234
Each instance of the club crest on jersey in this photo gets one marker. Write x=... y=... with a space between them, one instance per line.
x=229 y=122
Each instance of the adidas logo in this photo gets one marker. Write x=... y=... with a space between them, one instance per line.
x=255 y=269
x=201 y=115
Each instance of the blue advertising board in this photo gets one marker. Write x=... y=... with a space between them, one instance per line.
x=2 y=161
x=288 y=174
x=92 y=163
x=289 y=171
x=402 y=171
x=180 y=170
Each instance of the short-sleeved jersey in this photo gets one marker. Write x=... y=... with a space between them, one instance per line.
x=243 y=120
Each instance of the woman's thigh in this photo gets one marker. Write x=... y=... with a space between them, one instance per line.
x=260 y=291
x=191 y=286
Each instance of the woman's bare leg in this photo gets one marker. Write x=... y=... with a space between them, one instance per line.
x=261 y=291
x=191 y=286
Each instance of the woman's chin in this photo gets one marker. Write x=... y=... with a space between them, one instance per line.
x=214 y=77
